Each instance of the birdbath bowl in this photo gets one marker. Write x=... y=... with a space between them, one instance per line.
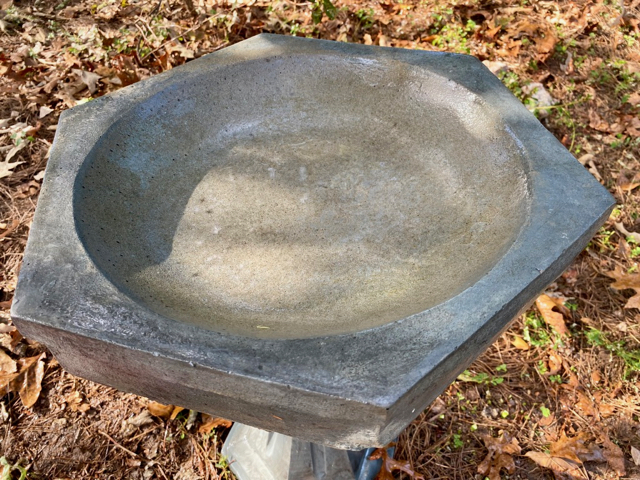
x=301 y=196
x=309 y=237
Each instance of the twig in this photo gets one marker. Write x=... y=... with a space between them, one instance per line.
x=137 y=51
x=161 y=471
x=146 y=432
x=133 y=454
x=156 y=9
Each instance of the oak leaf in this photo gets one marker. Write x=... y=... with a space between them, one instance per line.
x=566 y=455
x=6 y=167
x=76 y=402
x=26 y=380
x=555 y=363
x=160 y=410
x=500 y=454
x=563 y=469
x=176 y=411
x=209 y=423
x=620 y=226
x=614 y=456
x=390 y=464
x=7 y=364
x=626 y=281
x=545 y=305
x=574 y=448
x=545 y=40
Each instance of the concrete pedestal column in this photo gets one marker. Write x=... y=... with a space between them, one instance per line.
x=255 y=454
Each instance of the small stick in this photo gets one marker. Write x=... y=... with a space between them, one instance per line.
x=121 y=447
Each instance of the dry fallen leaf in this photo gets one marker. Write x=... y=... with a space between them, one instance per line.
x=90 y=79
x=160 y=410
x=633 y=127
x=627 y=281
x=32 y=381
x=76 y=403
x=596 y=122
x=143 y=418
x=555 y=363
x=606 y=410
x=546 y=41
x=574 y=448
x=520 y=343
x=390 y=464
x=548 y=420
x=585 y=404
x=176 y=411
x=614 y=456
x=566 y=455
x=44 y=111
x=10 y=340
x=26 y=380
x=554 y=319
x=627 y=184
x=7 y=364
x=6 y=167
x=500 y=454
x=627 y=234
x=4 y=328
x=635 y=455
x=209 y=423
x=563 y=469
x=577 y=399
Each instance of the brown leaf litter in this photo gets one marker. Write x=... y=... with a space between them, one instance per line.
x=390 y=465
x=500 y=456
x=547 y=307
x=23 y=376
x=627 y=281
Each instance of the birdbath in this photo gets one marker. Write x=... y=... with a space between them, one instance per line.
x=306 y=237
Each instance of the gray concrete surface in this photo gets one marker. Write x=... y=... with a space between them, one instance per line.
x=308 y=237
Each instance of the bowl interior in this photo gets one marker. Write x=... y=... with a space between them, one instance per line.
x=302 y=196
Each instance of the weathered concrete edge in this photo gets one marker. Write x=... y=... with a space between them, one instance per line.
x=426 y=390
x=312 y=416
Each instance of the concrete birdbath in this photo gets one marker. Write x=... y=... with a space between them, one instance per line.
x=308 y=237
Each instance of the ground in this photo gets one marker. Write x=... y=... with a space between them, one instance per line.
x=555 y=396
